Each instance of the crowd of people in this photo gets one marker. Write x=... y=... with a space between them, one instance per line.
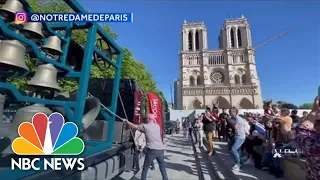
x=253 y=138
x=277 y=128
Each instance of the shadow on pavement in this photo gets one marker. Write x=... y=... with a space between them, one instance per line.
x=178 y=152
x=248 y=172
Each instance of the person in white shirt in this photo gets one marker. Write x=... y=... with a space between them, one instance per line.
x=199 y=130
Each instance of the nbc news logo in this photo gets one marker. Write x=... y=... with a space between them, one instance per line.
x=47 y=136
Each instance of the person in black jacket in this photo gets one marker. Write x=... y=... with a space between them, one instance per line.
x=208 y=128
x=223 y=125
x=295 y=118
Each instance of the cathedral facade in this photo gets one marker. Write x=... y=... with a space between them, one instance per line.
x=225 y=77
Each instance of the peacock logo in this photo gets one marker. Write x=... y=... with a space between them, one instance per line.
x=48 y=136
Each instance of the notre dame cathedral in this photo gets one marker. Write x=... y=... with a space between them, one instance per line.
x=226 y=76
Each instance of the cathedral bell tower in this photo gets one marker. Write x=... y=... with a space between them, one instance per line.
x=235 y=34
x=194 y=36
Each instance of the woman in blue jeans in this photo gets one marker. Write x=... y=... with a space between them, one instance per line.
x=239 y=137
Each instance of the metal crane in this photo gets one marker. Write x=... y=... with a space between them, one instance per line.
x=272 y=39
x=260 y=46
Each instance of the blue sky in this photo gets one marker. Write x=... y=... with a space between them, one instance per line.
x=288 y=68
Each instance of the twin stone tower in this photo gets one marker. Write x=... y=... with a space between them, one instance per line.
x=226 y=76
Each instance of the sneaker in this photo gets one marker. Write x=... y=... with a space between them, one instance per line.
x=243 y=159
x=236 y=167
x=248 y=162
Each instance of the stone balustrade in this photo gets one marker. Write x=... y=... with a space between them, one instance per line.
x=220 y=90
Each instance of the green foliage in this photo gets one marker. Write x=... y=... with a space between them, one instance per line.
x=131 y=68
x=306 y=106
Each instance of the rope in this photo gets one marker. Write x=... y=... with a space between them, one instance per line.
x=131 y=131
x=125 y=114
x=90 y=95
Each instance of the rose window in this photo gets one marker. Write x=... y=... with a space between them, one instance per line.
x=216 y=78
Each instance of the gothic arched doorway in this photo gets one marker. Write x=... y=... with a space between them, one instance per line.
x=222 y=103
x=246 y=104
x=197 y=104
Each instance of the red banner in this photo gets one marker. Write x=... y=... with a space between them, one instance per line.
x=137 y=108
x=155 y=107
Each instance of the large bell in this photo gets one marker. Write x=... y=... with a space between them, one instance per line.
x=45 y=77
x=32 y=30
x=9 y=9
x=91 y=109
x=24 y=114
x=12 y=54
x=53 y=46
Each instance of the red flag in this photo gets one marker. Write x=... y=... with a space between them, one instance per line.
x=155 y=107
x=137 y=108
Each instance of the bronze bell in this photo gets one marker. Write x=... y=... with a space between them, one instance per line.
x=53 y=46
x=45 y=77
x=9 y=9
x=12 y=54
x=24 y=114
x=32 y=30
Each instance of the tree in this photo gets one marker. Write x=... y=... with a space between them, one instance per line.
x=306 y=106
x=289 y=106
x=131 y=68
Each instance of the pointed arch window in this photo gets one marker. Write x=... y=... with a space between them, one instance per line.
x=239 y=37
x=232 y=37
x=244 y=79
x=237 y=79
x=192 y=81
x=197 y=40
x=199 y=80
x=190 y=41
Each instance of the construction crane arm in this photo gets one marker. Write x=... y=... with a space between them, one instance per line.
x=272 y=39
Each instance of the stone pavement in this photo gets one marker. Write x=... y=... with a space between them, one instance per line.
x=181 y=162
x=184 y=160
x=222 y=164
